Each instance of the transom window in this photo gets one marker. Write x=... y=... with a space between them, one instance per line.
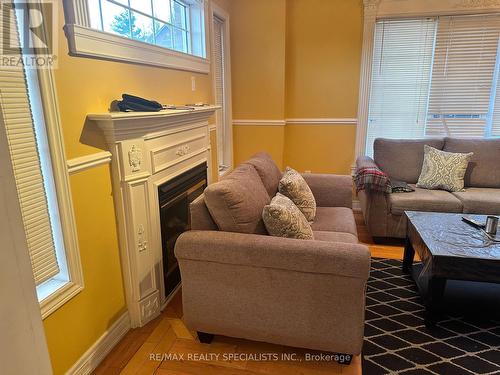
x=435 y=77
x=172 y=24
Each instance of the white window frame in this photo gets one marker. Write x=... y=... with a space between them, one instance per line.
x=85 y=41
x=63 y=291
x=216 y=11
x=377 y=9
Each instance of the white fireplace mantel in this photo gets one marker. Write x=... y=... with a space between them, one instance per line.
x=148 y=149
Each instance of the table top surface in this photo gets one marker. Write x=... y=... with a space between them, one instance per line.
x=445 y=234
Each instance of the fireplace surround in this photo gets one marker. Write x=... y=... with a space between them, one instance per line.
x=150 y=153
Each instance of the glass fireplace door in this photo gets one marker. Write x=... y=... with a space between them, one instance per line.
x=175 y=198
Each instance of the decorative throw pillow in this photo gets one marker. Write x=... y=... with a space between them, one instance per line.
x=293 y=185
x=282 y=218
x=443 y=170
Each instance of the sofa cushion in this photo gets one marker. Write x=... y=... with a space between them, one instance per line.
x=320 y=235
x=485 y=201
x=443 y=170
x=268 y=171
x=293 y=185
x=423 y=200
x=402 y=159
x=335 y=219
x=483 y=168
x=236 y=202
x=283 y=218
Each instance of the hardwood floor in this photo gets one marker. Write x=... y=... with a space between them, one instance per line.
x=167 y=335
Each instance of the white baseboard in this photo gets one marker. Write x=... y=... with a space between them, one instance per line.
x=100 y=349
x=356 y=206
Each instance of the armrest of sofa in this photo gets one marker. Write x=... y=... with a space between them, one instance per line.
x=262 y=251
x=366 y=162
x=330 y=190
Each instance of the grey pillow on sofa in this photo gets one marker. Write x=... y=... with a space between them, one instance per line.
x=236 y=202
x=282 y=218
x=293 y=185
x=443 y=170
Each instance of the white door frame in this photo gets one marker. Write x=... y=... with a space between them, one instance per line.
x=23 y=349
x=217 y=11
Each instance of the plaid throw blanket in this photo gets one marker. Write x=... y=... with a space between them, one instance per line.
x=372 y=178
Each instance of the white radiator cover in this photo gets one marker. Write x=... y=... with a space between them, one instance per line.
x=149 y=149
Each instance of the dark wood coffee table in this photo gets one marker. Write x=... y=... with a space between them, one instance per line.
x=449 y=249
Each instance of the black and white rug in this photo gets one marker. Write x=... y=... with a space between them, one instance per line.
x=465 y=341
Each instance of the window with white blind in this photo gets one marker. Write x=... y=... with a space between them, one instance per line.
x=435 y=77
x=49 y=237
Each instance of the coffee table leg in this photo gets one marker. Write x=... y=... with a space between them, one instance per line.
x=408 y=256
x=435 y=291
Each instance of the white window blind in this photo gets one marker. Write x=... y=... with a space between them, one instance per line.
x=218 y=54
x=435 y=77
x=16 y=112
x=462 y=76
x=401 y=70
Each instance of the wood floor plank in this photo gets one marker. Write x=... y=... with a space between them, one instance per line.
x=159 y=331
x=180 y=329
x=214 y=353
x=199 y=368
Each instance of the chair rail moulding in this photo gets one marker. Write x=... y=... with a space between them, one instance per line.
x=297 y=121
x=83 y=163
x=321 y=121
x=147 y=150
x=259 y=122
x=376 y=9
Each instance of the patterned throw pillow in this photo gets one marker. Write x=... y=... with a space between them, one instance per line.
x=282 y=218
x=293 y=185
x=443 y=170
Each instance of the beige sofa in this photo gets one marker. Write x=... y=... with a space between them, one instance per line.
x=402 y=160
x=241 y=282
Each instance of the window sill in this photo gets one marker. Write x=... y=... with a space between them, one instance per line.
x=62 y=292
x=87 y=42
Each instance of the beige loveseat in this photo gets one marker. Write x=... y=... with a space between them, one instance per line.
x=402 y=160
x=241 y=282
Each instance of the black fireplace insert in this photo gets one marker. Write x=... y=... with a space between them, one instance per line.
x=175 y=196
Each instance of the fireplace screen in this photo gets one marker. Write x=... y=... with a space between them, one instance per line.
x=175 y=196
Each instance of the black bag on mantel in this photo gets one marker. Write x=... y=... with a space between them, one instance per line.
x=138 y=104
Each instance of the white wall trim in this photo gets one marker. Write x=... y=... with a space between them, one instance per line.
x=87 y=42
x=370 y=16
x=50 y=104
x=356 y=205
x=321 y=121
x=297 y=121
x=228 y=148
x=89 y=361
x=83 y=163
x=259 y=122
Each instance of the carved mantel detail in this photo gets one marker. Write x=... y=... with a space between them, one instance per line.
x=135 y=158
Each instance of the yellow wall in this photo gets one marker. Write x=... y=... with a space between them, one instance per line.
x=251 y=139
x=258 y=29
x=85 y=86
x=322 y=44
x=323 y=53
